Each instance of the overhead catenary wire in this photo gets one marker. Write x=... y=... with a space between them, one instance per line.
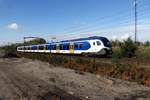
x=104 y=17
x=85 y=28
x=124 y=22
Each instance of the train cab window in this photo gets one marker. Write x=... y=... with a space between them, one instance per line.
x=81 y=46
x=98 y=43
x=93 y=43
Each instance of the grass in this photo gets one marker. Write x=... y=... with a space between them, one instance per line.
x=123 y=68
x=143 y=52
x=130 y=72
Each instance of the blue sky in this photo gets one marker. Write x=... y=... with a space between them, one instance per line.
x=66 y=19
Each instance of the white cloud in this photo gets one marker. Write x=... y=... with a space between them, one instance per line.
x=13 y=26
x=114 y=37
x=125 y=36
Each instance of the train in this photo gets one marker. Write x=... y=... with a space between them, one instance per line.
x=95 y=45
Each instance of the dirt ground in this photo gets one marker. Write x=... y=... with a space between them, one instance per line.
x=26 y=79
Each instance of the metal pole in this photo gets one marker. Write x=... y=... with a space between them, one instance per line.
x=94 y=65
x=94 y=62
x=24 y=44
x=135 y=14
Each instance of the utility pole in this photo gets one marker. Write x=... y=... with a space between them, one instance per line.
x=24 y=44
x=135 y=15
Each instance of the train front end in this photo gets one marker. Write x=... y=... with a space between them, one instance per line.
x=106 y=47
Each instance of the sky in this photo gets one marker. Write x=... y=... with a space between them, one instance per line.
x=68 y=19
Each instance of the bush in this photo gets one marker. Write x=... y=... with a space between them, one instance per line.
x=143 y=52
x=10 y=50
x=147 y=43
x=128 y=48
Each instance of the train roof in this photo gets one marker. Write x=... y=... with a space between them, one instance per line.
x=89 y=38
x=80 y=39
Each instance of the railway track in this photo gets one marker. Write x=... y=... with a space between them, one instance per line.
x=92 y=59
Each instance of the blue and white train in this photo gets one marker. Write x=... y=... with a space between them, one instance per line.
x=85 y=46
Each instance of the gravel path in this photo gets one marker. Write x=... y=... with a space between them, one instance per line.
x=25 y=79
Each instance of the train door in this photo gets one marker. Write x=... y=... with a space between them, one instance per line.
x=94 y=47
x=71 y=48
x=57 y=48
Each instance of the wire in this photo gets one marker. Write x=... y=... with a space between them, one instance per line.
x=90 y=26
x=124 y=22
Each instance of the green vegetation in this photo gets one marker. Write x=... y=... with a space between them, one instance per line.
x=128 y=48
x=143 y=52
x=118 y=68
x=35 y=41
x=10 y=50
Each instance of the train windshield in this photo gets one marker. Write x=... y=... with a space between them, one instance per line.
x=98 y=43
x=106 y=42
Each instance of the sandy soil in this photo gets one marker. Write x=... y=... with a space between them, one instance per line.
x=25 y=79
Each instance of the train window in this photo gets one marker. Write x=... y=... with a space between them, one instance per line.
x=64 y=48
x=61 y=47
x=76 y=46
x=54 y=47
x=47 y=47
x=34 y=48
x=81 y=45
x=41 y=47
x=28 y=48
x=68 y=47
x=98 y=43
x=93 y=43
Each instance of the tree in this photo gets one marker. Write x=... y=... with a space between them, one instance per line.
x=35 y=41
x=147 y=43
x=128 y=48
